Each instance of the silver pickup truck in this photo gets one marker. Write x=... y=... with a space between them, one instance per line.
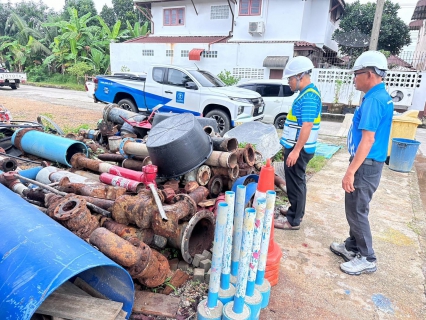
x=11 y=79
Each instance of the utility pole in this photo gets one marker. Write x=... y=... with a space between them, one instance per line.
x=376 y=25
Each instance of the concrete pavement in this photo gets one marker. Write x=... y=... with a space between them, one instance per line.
x=311 y=285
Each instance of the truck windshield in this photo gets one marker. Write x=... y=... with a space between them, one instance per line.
x=206 y=79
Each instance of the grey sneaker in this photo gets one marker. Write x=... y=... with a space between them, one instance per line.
x=340 y=250
x=358 y=265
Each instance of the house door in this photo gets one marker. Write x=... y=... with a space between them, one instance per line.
x=276 y=74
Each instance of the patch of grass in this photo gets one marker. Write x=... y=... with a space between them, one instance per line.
x=279 y=157
x=84 y=126
x=316 y=164
x=70 y=86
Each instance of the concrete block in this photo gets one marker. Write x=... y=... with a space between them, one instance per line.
x=173 y=263
x=183 y=265
x=197 y=258
x=198 y=275
x=207 y=254
x=206 y=264
x=207 y=276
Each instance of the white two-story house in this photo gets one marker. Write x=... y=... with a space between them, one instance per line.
x=249 y=38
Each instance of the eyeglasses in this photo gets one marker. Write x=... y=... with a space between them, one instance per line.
x=356 y=74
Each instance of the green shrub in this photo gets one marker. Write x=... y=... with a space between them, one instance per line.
x=227 y=78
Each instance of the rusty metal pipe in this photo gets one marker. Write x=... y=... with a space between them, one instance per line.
x=229 y=172
x=203 y=175
x=215 y=186
x=111 y=157
x=249 y=155
x=222 y=159
x=280 y=183
x=199 y=194
x=143 y=263
x=130 y=185
x=224 y=144
x=8 y=164
x=132 y=164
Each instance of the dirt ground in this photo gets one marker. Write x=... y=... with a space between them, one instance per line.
x=67 y=118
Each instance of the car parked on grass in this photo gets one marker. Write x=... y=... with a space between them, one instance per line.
x=277 y=96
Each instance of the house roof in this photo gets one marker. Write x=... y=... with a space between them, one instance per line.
x=183 y=39
x=420 y=10
x=416 y=24
x=397 y=61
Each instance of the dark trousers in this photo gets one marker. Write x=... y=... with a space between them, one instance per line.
x=357 y=207
x=295 y=179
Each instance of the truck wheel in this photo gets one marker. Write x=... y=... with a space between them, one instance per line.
x=13 y=86
x=279 y=121
x=222 y=119
x=128 y=105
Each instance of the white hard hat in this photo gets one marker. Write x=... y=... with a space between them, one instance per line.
x=373 y=59
x=297 y=65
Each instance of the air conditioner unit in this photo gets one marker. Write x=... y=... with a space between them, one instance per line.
x=257 y=27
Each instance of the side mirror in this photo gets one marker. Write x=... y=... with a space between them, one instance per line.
x=191 y=86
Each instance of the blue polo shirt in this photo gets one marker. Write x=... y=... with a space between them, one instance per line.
x=374 y=114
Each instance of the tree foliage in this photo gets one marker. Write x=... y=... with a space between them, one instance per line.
x=394 y=33
x=124 y=11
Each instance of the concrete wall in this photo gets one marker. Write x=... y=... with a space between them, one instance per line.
x=128 y=56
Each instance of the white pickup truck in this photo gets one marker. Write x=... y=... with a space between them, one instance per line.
x=11 y=79
x=178 y=90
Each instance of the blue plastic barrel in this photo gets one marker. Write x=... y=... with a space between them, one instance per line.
x=37 y=255
x=403 y=154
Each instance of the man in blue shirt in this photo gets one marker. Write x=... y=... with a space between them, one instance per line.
x=299 y=139
x=368 y=145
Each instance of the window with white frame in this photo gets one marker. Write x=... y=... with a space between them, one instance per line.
x=248 y=73
x=250 y=7
x=209 y=54
x=169 y=53
x=148 y=53
x=174 y=17
x=219 y=12
x=184 y=53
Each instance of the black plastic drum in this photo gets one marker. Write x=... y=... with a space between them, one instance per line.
x=161 y=116
x=178 y=145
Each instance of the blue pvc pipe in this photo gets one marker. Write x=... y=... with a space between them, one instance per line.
x=30 y=173
x=37 y=255
x=49 y=146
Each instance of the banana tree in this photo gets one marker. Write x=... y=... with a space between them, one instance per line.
x=137 y=30
x=99 y=60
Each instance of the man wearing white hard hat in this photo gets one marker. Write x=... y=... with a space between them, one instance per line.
x=368 y=145
x=299 y=139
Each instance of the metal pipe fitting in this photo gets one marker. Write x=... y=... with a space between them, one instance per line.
x=73 y=213
x=132 y=164
x=111 y=157
x=191 y=186
x=249 y=155
x=114 y=143
x=48 y=146
x=8 y=164
x=130 y=146
x=209 y=130
x=215 y=186
x=168 y=195
x=112 y=112
x=224 y=144
x=12 y=182
x=222 y=159
x=203 y=175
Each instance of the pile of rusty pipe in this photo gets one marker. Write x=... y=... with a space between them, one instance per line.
x=10 y=180
x=209 y=130
x=73 y=213
x=168 y=195
x=232 y=173
x=222 y=159
x=116 y=157
x=246 y=155
x=80 y=161
x=129 y=185
x=7 y=164
x=224 y=144
x=199 y=194
x=99 y=190
x=215 y=186
x=39 y=196
x=86 y=174
x=128 y=233
x=135 y=148
x=143 y=263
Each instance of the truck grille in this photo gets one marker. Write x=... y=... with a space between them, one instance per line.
x=258 y=103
